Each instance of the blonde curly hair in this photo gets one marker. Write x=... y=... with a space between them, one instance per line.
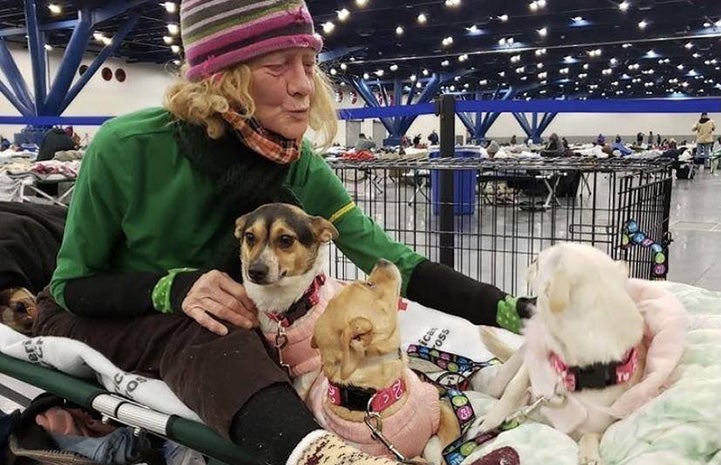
x=202 y=102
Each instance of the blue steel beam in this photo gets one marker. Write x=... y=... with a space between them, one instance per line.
x=25 y=111
x=38 y=55
x=71 y=61
x=17 y=81
x=113 y=9
x=398 y=100
x=523 y=121
x=431 y=90
x=337 y=53
x=21 y=31
x=479 y=125
x=98 y=61
x=364 y=91
x=545 y=122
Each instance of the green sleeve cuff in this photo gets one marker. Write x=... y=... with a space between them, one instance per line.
x=161 y=291
x=507 y=314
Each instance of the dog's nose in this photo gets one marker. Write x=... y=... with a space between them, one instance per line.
x=258 y=272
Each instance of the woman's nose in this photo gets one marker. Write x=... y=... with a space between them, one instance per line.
x=300 y=82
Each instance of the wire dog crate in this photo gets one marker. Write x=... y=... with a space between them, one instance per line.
x=505 y=211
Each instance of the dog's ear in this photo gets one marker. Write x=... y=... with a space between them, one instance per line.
x=323 y=229
x=355 y=339
x=240 y=225
x=558 y=291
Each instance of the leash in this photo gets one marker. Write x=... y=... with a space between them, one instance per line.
x=457 y=369
x=460 y=449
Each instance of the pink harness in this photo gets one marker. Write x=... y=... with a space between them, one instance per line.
x=409 y=429
x=297 y=352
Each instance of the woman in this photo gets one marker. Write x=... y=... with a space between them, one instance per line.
x=704 y=129
x=143 y=270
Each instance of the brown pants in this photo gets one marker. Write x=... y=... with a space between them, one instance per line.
x=213 y=375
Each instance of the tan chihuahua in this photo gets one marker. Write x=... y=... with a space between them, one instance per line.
x=367 y=376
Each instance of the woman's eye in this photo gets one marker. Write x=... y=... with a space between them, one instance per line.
x=285 y=241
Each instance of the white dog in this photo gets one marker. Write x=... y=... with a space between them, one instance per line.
x=583 y=347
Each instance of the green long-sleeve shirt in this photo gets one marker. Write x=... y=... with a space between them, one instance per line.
x=139 y=205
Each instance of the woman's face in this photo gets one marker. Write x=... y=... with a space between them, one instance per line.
x=282 y=86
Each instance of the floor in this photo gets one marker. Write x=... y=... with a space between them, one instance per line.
x=696 y=227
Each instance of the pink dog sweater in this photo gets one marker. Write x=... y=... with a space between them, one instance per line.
x=664 y=336
x=409 y=429
x=298 y=353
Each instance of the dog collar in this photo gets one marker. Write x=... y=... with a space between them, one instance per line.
x=301 y=308
x=598 y=375
x=360 y=399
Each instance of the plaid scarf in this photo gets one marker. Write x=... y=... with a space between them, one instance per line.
x=272 y=146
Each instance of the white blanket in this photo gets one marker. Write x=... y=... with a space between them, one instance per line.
x=77 y=359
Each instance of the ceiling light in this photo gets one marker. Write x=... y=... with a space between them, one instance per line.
x=717 y=23
x=170 y=7
x=680 y=67
x=361 y=2
x=366 y=76
x=333 y=71
x=393 y=67
x=168 y=40
x=521 y=70
x=379 y=73
x=585 y=66
x=414 y=78
x=445 y=63
x=533 y=6
x=543 y=32
x=696 y=55
x=453 y=3
x=502 y=74
x=173 y=29
x=343 y=66
x=176 y=62
x=97 y=35
x=614 y=61
x=623 y=6
x=328 y=27
x=626 y=45
x=539 y=65
x=689 y=45
x=707 y=24
x=399 y=31
x=447 y=41
x=55 y=8
x=463 y=57
x=175 y=48
x=483 y=82
x=642 y=24
x=502 y=41
x=48 y=47
x=343 y=14
x=425 y=72
x=577 y=19
x=503 y=18
x=422 y=19
x=418 y=85
x=540 y=51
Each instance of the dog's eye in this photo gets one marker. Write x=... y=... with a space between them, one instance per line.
x=250 y=238
x=285 y=241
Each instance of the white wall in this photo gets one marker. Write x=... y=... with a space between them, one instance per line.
x=146 y=83
x=144 y=86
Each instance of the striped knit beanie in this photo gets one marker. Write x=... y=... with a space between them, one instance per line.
x=218 y=34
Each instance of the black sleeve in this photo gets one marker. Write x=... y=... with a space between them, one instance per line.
x=123 y=294
x=441 y=287
x=111 y=295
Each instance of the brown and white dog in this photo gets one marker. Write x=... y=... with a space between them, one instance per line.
x=359 y=341
x=18 y=308
x=283 y=252
x=583 y=347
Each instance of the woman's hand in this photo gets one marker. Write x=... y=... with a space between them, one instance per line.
x=217 y=294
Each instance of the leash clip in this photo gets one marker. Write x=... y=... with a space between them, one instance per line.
x=281 y=340
x=375 y=424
